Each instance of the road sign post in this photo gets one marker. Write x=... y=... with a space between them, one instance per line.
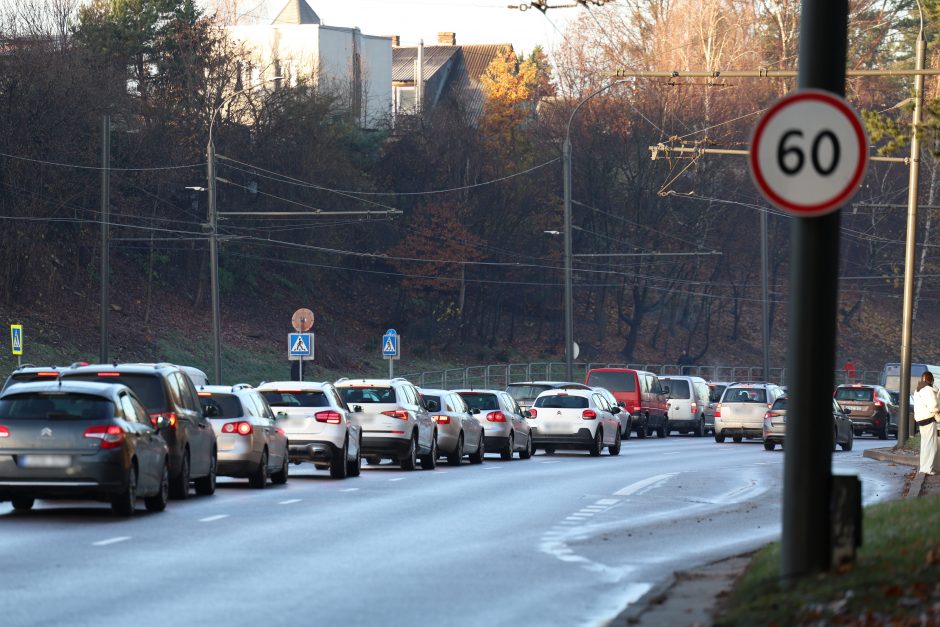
x=391 y=349
x=16 y=340
x=302 y=321
x=810 y=167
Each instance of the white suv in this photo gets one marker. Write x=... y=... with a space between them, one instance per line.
x=395 y=423
x=575 y=419
x=740 y=414
x=318 y=425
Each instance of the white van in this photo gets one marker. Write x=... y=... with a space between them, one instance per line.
x=688 y=403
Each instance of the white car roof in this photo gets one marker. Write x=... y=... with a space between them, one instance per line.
x=292 y=385
x=345 y=383
x=567 y=392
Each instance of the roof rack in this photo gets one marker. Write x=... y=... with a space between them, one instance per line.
x=342 y=379
x=242 y=386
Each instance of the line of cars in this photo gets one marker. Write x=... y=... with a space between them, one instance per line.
x=123 y=432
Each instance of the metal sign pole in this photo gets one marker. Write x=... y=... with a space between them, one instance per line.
x=812 y=320
x=391 y=368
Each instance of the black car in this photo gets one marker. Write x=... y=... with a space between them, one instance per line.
x=80 y=440
x=28 y=372
x=168 y=394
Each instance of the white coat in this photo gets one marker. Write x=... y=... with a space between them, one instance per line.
x=925 y=403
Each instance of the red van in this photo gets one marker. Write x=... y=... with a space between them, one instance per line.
x=641 y=394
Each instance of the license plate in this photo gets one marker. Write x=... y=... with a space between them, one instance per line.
x=855 y=407
x=45 y=461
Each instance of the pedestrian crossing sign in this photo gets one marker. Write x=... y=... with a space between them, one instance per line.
x=391 y=344
x=16 y=336
x=300 y=346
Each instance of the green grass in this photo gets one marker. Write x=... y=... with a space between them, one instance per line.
x=895 y=574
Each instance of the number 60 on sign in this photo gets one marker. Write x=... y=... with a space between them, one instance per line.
x=809 y=153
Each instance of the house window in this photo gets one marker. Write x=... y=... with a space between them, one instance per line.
x=405 y=100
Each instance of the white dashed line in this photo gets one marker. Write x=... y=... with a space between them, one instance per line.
x=492 y=468
x=213 y=518
x=289 y=501
x=111 y=541
x=650 y=482
x=397 y=479
x=608 y=502
x=554 y=462
x=349 y=490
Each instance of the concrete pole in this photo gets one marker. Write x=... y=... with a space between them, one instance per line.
x=214 y=267
x=105 y=234
x=569 y=303
x=765 y=304
x=910 y=248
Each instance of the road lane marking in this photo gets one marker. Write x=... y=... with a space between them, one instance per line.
x=397 y=479
x=650 y=482
x=111 y=541
x=554 y=462
x=349 y=490
x=608 y=501
x=492 y=468
x=289 y=501
x=213 y=518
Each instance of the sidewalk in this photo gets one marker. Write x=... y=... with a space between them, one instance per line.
x=691 y=597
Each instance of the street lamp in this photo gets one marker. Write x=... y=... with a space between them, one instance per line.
x=566 y=165
x=213 y=236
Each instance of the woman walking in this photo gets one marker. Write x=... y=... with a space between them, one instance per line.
x=926 y=413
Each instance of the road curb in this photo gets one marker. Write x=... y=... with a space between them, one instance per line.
x=917 y=486
x=654 y=596
x=890 y=455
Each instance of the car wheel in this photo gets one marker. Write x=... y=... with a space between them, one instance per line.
x=883 y=434
x=354 y=467
x=549 y=450
x=410 y=460
x=529 y=450
x=23 y=504
x=614 y=450
x=205 y=486
x=429 y=461
x=179 y=486
x=280 y=477
x=456 y=456
x=663 y=431
x=719 y=437
x=642 y=429
x=626 y=432
x=738 y=438
x=157 y=502
x=847 y=446
x=338 y=468
x=259 y=478
x=700 y=428
x=506 y=453
x=769 y=445
x=598 y=444
x=477 y=457
x=123 y=504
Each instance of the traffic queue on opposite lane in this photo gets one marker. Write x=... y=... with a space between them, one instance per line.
x=122 y=432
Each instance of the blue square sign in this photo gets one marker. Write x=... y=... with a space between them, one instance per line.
x=300 y=345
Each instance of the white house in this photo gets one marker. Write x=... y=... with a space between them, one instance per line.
x=296 y=44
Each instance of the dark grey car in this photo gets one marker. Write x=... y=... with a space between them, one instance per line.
x=167 y=393
x=80 y=440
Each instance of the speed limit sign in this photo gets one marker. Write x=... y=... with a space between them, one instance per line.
x=809 y=153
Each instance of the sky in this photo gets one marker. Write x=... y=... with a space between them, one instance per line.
x=474 y=21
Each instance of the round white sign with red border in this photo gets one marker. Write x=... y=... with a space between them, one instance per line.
x=809 y=153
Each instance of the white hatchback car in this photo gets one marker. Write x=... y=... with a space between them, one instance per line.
x=318 y=425
x=575 y=419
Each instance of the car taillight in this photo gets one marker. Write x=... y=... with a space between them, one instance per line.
x=111 y=436
x=441 y=420
x=169 y=417
x=533 y=413
x=109 y=374
x=4 y=432
x=329 y=417
x=635 y=409
x=879 y=403
x=694 y=408
x=47 y=374
x=718 y=410
x=496 y=416
x=241 y=427
x=397 y=413
x=588 y=414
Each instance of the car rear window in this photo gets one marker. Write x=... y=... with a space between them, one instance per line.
x=373 y=394
x=226 y=405
x=745 y=395
x=780 y=403
x=525 y=392
x=295 y=398
x=475 y=400
x=560 y=401
x=861 y=395
x=678 y=388
x=613 y=381
x=56 y=407
x=147 y=387
x=715 y=392
x=24 y=377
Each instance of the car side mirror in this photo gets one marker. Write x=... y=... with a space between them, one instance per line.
x=846 y=411
x=615 y=410
x=281 y=415
x=357 y=408
x=527 y=413
x=161 y=423
x=474 y=411
x=621 y=404
x=210 y=411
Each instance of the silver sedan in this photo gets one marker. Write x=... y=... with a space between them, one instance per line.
x=505 y=430
x=459 y=432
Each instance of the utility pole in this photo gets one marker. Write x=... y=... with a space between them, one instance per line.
x=214 y=266
x=765 y=305
x=569 y=290
x=904 y=420
x=105 y=233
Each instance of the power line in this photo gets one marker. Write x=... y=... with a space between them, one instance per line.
x=97 y=167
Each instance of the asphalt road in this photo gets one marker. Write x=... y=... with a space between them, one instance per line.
x=556 y=540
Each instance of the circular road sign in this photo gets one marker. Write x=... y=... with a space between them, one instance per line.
x=809 y=153
x=302 y=320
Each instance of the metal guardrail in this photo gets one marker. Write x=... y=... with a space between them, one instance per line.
x=498 y=376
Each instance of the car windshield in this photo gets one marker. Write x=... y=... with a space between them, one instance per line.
x=678 y=388
x=226 y=405
x=860 y=395
x=147 y=387
x=780 y=404
x=522 y=392
x=475 y=400
x=295 y=398
x=613 y=381
x=561 y=401
x=367 y=394
x=745 y=395
x=55 y=407
x=715 y=392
